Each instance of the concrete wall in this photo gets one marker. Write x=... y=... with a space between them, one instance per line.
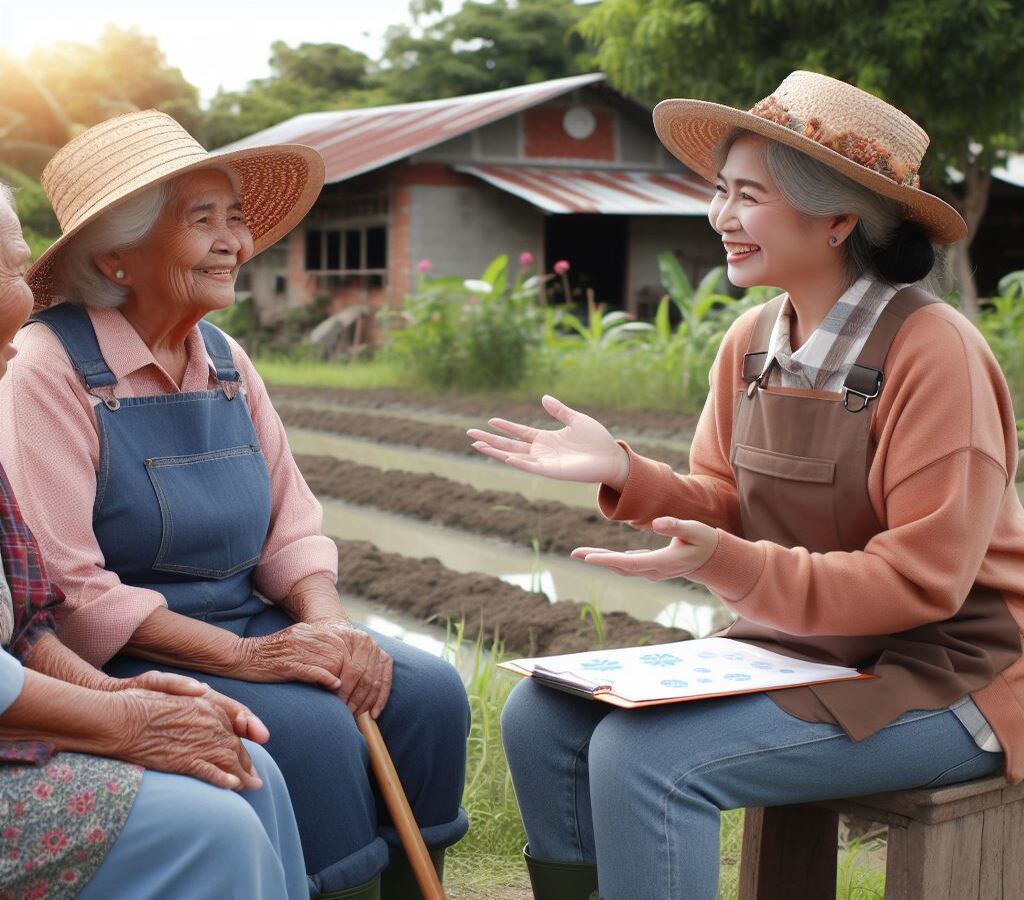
x=460 y=229
x=691 y=238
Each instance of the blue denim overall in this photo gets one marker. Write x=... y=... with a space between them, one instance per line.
x=183 y=506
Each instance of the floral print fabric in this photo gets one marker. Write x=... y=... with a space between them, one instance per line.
x=58 y=821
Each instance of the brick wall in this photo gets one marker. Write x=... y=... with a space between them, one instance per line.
x=545 y=138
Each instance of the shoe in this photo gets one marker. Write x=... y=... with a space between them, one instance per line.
x=561 y=880
x=368 y=890
x=398 y=882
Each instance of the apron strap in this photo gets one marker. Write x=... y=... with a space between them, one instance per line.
x=757 y=349
x=864 y=381
x=70 y=322
x=220 y=352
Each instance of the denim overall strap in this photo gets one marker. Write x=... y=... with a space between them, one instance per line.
x=70 y=322
x=182 y=490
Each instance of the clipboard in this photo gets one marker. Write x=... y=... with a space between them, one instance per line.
x=653 y=675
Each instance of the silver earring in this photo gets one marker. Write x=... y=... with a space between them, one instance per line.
x=119 y=273
x=833 y=240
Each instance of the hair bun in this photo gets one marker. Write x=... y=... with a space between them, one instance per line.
x=907 y=257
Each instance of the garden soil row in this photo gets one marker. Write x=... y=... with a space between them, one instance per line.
x=386 y=429
x=555 y=527
x=526 y=623
x=653 y=423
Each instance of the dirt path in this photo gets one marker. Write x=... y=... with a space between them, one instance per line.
x=526 y=622
x=388 y=429
x=653 y=423
x=557 y=528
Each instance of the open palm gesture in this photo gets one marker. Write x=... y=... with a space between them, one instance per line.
x=584 y=450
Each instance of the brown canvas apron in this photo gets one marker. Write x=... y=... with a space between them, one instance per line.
x=801 y=467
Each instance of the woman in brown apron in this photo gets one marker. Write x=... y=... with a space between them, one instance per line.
x=850 y=499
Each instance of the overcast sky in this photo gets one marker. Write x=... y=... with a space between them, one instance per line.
x=214 y=42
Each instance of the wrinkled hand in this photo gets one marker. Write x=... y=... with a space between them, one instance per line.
x=692 y=545
x=334 y=655
x=244 y=721
x=584 y=450
x=183 y=735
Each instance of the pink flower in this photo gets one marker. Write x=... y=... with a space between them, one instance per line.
x=38 y=891
x=82 y=803
x=526 y=259
x=69 y=876
x=43 y=791
x=55 y=840
x=424 y=266
x=97 y=836
x=11 y=833
x=60 y=772
x=561 y=267
x=18 y=809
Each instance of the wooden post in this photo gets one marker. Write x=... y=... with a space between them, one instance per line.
x=401 y=813
x=789 y=853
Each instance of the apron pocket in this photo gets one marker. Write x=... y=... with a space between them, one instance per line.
x=214 y=509
x=786 y=499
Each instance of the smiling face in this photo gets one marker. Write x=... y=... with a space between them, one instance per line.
x=767 y=241
x=192 y=255
x=15 y=296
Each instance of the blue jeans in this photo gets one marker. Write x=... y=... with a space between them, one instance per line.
x=640 y=792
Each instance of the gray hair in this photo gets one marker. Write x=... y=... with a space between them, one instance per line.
x=124 y=226
x=818 y=191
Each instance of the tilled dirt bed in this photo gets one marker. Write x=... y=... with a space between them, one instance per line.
x=389 y=429
x=557 y=528
x=652 y=423
x=525 y=622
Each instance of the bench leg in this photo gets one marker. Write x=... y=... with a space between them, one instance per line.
x=975 y=857
x=789 y=853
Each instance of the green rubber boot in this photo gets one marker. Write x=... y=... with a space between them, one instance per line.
x=397 y=881
x=561 y=880
x=368 y=890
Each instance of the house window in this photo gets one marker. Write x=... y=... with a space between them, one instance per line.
x=347 y=251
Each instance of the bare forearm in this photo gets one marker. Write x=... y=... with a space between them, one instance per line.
x=69 y=716
x=51 y=657
x=171 y=638
x=314 y=599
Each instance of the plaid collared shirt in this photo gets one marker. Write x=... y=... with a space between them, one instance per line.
x=825 y=358
x=31 y=604
x=822 y=364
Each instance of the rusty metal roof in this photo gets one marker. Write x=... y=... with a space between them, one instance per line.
x=353 y=141
x=592 y=190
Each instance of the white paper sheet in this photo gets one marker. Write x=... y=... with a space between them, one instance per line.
x=684 y=669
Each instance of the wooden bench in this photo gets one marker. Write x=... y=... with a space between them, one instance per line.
x=960 y=842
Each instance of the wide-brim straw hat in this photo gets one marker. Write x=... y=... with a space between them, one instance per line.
x=116 y=160
x=850 y=130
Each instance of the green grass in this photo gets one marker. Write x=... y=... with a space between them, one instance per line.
x=490 y=855
x=375 y=373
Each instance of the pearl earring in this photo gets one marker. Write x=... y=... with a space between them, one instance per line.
x=119 y=273
x=833 y=240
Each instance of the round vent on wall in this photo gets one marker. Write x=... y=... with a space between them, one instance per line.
x=579 y=123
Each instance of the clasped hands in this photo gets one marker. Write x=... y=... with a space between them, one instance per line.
x=584 y=450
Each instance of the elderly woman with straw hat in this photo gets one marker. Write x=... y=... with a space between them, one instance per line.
x=850 y=498
x=158 y=480
x=94 y=789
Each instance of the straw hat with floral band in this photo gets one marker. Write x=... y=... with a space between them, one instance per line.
x=111 y=162
x=850 y=130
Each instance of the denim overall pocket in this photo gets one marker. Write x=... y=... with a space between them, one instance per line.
x=213 y=523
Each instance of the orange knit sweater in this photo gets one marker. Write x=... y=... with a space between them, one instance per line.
x=941 y=482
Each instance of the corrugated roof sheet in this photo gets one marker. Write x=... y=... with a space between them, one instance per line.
x=610 y=191
x=354 y=141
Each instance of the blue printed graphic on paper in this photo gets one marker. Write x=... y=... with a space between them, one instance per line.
x=660 y=659
x=674 y=683
x=601 y=665
x=737 y=676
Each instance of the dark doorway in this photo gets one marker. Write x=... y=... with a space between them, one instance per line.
x=595 y=248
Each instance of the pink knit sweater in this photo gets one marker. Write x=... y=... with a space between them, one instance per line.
x=50 y=449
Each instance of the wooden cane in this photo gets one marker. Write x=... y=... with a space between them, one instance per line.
x=401 y=813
